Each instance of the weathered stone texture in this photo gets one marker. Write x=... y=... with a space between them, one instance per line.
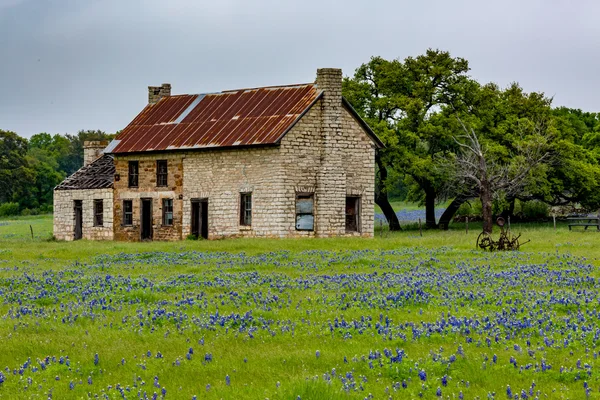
x=92 y=150
x=147 y=189
x=64 y=214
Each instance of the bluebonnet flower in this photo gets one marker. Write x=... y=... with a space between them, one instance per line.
x=438 y=392
x=227 y=380
x=422 y=375
x=89 y=380
x=508 y=392
x=96 y=359
x=317 y=353
x=444 y=380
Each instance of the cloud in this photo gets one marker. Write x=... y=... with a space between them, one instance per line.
x=72 y=64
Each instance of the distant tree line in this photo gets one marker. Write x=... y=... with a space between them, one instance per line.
x=30 y=169
x=451 y=138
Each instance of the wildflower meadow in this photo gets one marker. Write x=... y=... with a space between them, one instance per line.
x=400 y=316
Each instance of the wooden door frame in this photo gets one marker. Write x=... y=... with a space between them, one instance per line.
x=149 y=200
x=199 y=201
x=75 y=208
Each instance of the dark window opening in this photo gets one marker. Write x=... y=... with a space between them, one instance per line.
x=246 y=209
x=161 y=173
x=127 y=212
x=305 y=218
x=352 y=214
x=98 y=213
x=133 y=173
x=167 y=211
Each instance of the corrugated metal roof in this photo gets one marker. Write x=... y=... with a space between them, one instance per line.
x=227 y=119
x=98 y=175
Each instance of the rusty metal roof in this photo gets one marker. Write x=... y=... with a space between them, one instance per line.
x=234 y=118
x=99 y=174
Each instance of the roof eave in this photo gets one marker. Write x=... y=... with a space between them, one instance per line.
x=364 y=125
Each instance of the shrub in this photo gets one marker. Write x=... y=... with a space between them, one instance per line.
x=26 y=212
x=8 y=209
x=46 y=209
x=535 y=209
x=469 y=208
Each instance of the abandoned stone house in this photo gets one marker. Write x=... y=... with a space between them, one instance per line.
x=285 y=161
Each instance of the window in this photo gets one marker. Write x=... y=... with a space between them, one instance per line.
x=167 y=211
x=133 y=173
x=246 y=209
x=161 y=173
x=127 y=212
x=352 y=214
x=305 y=219
x=98 y=213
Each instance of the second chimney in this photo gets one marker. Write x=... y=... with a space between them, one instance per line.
x=92 y=150
x=155 y=93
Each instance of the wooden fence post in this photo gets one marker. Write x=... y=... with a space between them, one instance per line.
x=420 y=230
x=554 y=220
x=31 y=229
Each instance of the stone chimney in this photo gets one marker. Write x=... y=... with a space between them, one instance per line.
x=92 y=150
x=331 y=178
x=155 y=93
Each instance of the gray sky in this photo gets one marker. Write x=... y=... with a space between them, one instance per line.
x=67 y=65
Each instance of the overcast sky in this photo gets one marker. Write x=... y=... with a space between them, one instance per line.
x=67 y=65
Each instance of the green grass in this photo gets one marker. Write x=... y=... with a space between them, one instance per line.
x=82 y=298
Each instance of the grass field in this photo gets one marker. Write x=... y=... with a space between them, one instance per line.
x=400 y=316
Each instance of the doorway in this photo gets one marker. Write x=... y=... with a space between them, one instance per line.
x=78 y=209
x=200 y=218
x=146 y=219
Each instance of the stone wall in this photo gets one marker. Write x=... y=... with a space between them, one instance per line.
x=64 y=214
x=147 y=189
x=305 y=171
x=221 y=176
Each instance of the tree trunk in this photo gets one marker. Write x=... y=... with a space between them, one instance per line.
x=430 y=208
x=451 y=210
x=510 y=212
x=486 y=207
x=381 y=196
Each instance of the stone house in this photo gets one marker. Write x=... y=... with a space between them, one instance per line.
x=285 y=161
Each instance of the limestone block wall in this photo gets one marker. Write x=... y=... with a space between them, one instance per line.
x=64 y=214
x=359 y=166
x=221 y=176
x=354 y=175
x=147 y=189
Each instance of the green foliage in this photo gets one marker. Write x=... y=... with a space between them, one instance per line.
x=470 y=209
x=404 y=101
x=9 y=209
x=29 y=170
x=535 y=210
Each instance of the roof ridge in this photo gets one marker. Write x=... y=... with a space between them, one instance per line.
x=268 y=87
